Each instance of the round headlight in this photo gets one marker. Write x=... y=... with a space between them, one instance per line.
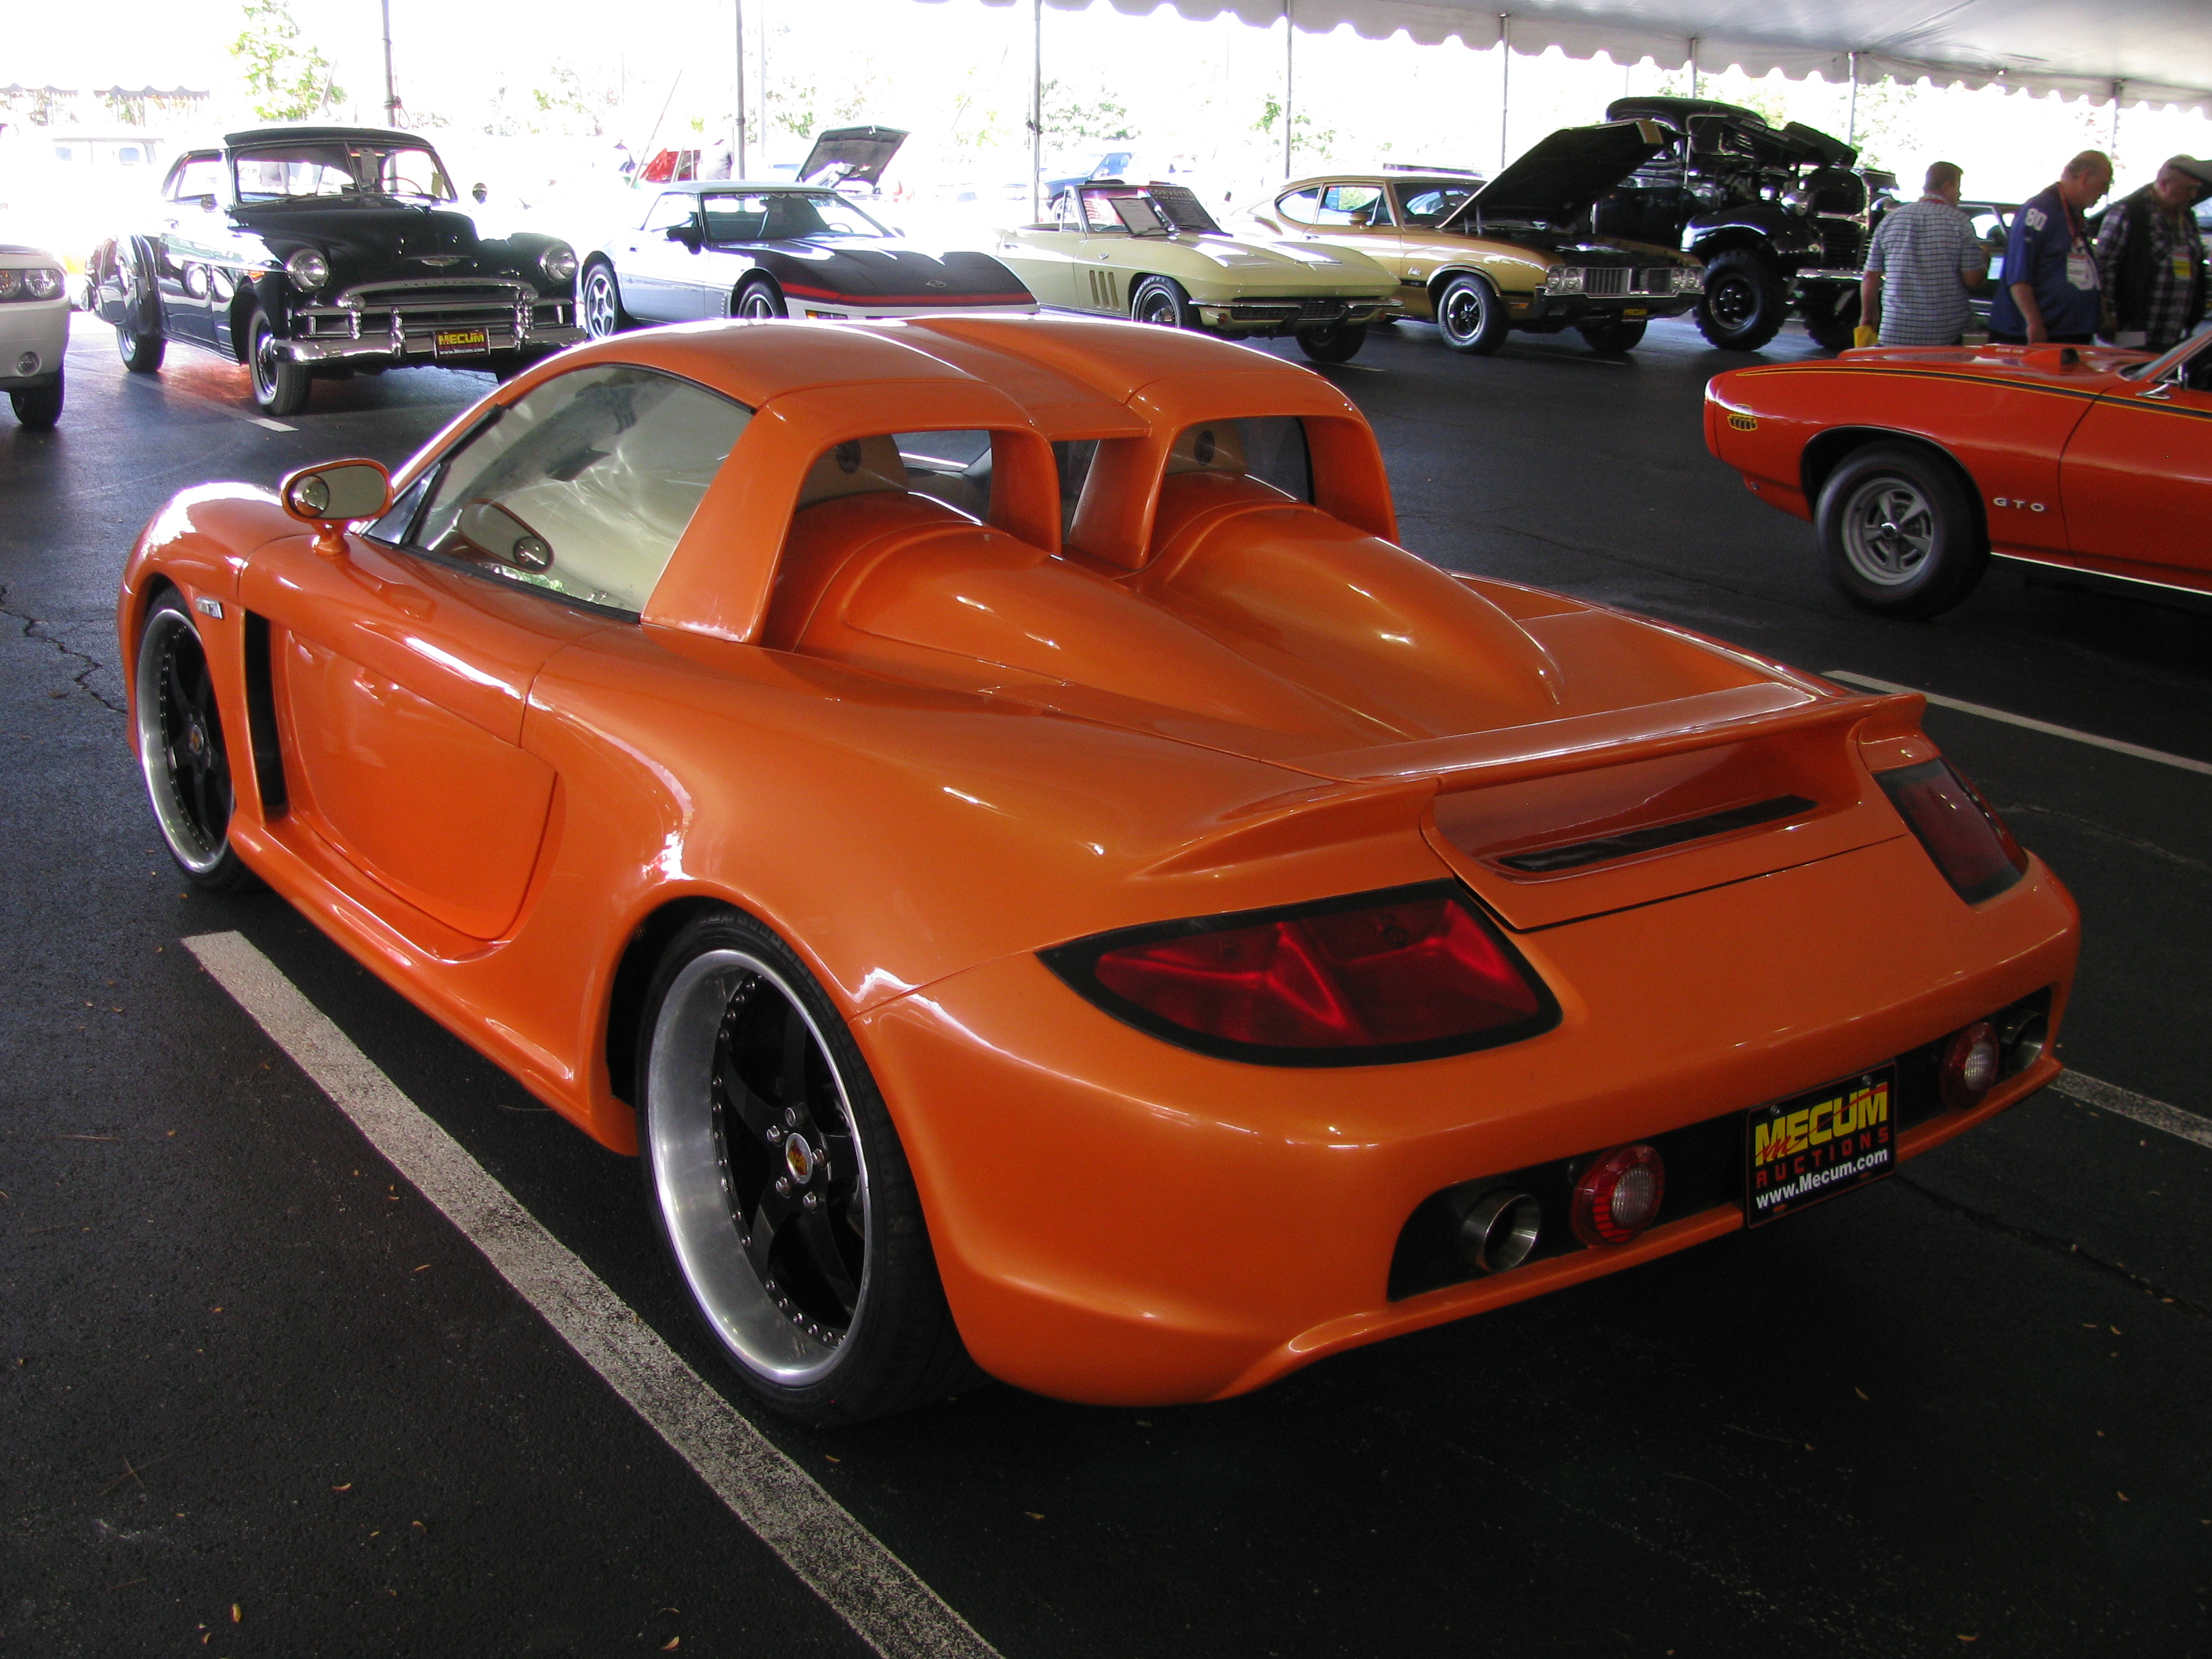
x=43 y=283
x=558 y=262
x=307 y=269
x=11 y=283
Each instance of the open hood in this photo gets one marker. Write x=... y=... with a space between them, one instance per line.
x=850 y=155
x=1563 y=174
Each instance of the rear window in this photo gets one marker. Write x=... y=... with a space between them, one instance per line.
x=1271 y=448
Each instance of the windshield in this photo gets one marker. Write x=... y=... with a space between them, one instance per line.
x=781 y=216
x=289 y=172
x=1428 y=204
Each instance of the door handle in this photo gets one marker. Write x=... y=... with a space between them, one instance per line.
x=2160 y=390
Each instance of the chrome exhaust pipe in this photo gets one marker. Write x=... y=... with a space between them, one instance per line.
x=1501 y=1230
x=2022 y=1040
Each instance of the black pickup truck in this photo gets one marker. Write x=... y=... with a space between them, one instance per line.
x=1780 y=216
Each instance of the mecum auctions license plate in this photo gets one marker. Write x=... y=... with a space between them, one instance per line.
x=1814 y=1145
x=1633 y=312
x=460 y=343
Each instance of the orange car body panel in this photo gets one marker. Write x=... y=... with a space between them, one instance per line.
x=2069 y=462
x=923 y=748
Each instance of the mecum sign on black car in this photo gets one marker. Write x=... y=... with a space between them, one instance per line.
x=315 y=251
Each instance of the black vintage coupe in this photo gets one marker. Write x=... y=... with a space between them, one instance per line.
x=308 y=250
x=704 y=248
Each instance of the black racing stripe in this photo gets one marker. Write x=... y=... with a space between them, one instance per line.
x=2081 y=393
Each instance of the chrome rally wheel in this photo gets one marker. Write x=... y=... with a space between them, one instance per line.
x=778 y=1184
x=1898 y=532
x=602 y=302
x=1888 y=530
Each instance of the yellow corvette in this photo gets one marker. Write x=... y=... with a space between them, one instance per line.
x=1479 y=259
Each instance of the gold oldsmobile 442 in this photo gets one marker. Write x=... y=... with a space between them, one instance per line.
x=1479 y=259
x=1153 y=252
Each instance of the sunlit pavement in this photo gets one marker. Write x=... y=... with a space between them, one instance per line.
x=257 y=1391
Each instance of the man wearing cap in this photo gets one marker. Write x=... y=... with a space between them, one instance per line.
x=2050 y=291
x=2150 y=258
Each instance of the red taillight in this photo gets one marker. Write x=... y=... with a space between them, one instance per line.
x=1971 y=1062
x=1617 y=1196
x=1961 y=830
x=1397 y=975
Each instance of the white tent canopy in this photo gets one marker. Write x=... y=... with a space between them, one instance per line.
x=2156 y=51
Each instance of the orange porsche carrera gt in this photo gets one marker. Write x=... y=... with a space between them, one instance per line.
x=987 y=808
x=1918 y=464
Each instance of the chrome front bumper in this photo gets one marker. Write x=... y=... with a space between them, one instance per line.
x=399 y=322
x=1277 y=316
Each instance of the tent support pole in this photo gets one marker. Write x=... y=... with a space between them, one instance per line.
x=1694 y=66
x=738 y=169
x=1036 y=113
x=1853 y=136
x=2119 y=88
x=391 y=91
x=1290 y=39
x=1505 y=83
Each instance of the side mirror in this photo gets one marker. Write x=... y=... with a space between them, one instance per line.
x=687 y=234
x=334 y=494
x=498 y=532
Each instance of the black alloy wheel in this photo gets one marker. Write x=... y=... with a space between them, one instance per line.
x=1333 y=342
x=758 y=297
x=38 y=407
x=602 y=306
x=1471 y=316
x=1162 y=300
x=1744 y=303
x=280 y=384
x=1618 y=334
x=1898 y=533
x=181 y=749
x=777 y=1184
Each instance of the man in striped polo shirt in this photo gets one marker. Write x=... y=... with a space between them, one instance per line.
x=1922 y=260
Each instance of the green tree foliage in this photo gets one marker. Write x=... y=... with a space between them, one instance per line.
x=1067 y=116
x=286 y=81
x=1304 y=136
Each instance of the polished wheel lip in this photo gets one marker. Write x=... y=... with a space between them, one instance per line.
x=153 y=707
x=1158 y=307
x=600 y=320
x=1889 y=529
x=690 y=1174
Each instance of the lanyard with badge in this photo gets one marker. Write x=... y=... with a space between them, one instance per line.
x=2081 y=262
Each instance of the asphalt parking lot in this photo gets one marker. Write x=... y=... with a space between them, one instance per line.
x=261 y=1397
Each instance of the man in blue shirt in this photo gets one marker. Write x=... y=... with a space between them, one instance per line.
x=2050 y=291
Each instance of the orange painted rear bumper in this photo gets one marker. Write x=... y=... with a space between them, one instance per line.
x=1120 y=1221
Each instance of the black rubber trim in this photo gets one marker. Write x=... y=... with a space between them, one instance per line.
x=1654 y=836
x=1077 y=963
x=261 y=720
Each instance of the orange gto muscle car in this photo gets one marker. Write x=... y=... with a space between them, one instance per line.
x=985 y=808
x=1918 y=465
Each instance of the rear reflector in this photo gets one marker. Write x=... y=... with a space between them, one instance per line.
x=1408 y=974
x=1961 y=830
x=1971 y=1063
x=1617 y=1196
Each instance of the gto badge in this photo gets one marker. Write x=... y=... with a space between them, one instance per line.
x=2014 y=501
x=1746 y=423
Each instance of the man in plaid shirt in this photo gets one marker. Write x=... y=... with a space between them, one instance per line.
x=2150 y=259
x=1922 y=261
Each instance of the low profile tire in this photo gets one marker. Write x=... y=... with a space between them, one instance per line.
x=1898 y=533
x=182 y=751
x=602 y=306
x=1623 y=334
x=1471 y=316
x=777 y=1182
x=1162 y=300
x=758 y=297
x=1831 y=311
x=142 y=354
x=1333 y=342
x=280 y=385
x=38 y=407
x=1744 y=302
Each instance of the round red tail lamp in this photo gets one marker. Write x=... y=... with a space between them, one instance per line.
x=1617 y=1196
x=1971 y=1062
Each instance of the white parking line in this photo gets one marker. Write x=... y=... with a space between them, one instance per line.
x=2044 y=726
x=2111 y=1097
x=875 y=1592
